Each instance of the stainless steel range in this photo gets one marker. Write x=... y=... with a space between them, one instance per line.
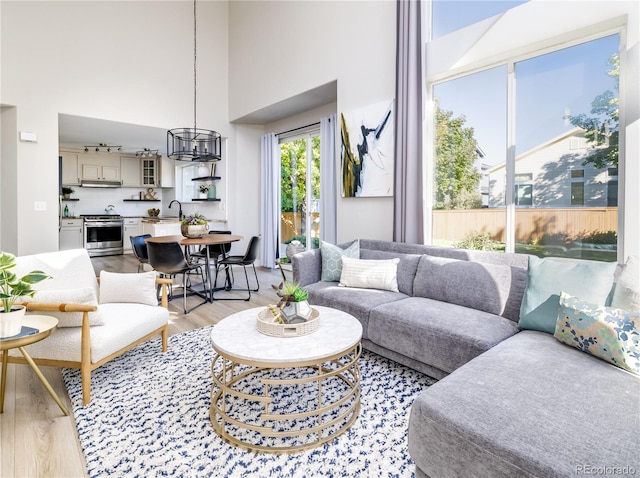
x=103 y=234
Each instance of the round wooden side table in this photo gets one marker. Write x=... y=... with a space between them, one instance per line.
x=45 y=325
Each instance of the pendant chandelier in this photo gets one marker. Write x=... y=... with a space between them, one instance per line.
x=193 y=144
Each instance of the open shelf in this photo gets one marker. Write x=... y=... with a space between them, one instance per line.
x=141 y=200
x=71 y=199
x=206 y=178
x=206 y=199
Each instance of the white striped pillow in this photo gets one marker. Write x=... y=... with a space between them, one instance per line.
x=370 y=274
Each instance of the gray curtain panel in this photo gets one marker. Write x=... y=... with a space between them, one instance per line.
x=328 y=179
x=408 y=205
x=270 y=204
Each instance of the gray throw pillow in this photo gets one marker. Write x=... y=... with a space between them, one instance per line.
x=332 y=259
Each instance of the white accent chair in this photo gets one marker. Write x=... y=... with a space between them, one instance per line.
x=91 y=333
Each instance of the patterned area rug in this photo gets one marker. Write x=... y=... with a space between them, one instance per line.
x=149 y=416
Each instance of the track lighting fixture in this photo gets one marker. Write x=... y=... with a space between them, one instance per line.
x=147 y=153
x=100 y=146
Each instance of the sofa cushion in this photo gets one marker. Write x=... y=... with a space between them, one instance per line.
x=128 y=288
x=443 y=335
x=589 y=280
x=124 y=324
x=370 y=274
x=357 y=302
x=81 y=295
x=406 y=267
x=607 y=333
x=332 y=259
x=514 y=412
x=475 y=285
x=69 y=269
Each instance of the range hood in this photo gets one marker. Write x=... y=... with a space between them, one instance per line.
x=94 y=183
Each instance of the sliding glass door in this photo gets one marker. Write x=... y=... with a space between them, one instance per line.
x=300 y=191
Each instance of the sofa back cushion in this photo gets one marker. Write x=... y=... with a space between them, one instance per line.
x=477 y=285
x=406 y=267
x=69 y=269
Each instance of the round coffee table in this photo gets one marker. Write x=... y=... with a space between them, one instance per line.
x=276 y=394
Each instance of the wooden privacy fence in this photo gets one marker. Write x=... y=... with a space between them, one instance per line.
x=531 y=223
x=291 y=224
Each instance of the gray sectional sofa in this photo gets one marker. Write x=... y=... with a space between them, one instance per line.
x=509 y=403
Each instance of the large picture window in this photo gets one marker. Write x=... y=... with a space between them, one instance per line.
x=540 y=135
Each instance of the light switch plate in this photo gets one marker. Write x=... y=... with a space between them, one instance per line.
x=39 y=205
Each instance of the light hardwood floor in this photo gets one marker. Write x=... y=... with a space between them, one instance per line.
x=36 y=440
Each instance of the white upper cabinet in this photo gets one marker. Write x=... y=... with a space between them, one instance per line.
x=130 y=169
x=99 y=167
x=70 y=176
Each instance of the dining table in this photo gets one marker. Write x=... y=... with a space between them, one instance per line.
x=206 y=241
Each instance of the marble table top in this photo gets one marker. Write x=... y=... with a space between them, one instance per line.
x=237 y=338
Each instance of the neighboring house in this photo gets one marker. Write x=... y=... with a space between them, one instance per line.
x=553 y=175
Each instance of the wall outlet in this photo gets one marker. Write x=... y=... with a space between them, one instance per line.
x=39 y=205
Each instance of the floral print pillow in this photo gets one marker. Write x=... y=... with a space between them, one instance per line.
x=610 y=334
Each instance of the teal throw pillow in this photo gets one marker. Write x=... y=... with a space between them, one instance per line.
x=546 y=278
x=605 y=332
x=332 y=259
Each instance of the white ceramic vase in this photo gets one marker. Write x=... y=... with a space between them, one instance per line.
x=11 y=322
x=296 y=312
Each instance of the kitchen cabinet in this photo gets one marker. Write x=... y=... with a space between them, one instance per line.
x=130 y=172
x=132 y=227
x=70 y=176
x=161 y=229
x=167 y=172
x=99 y=167
x=149 y=172
x=71 y=234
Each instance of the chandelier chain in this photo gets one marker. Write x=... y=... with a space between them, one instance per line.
x=194 y=64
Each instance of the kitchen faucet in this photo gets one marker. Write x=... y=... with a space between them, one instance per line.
x=180 y=216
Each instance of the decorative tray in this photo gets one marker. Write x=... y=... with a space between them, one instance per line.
x=266 y=325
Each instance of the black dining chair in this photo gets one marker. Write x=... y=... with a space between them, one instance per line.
x=140 y=250
x=216 y=251
x=248 y=259
x=168 y=260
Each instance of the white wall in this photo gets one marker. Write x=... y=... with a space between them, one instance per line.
x=122 y=61
x=279 y=49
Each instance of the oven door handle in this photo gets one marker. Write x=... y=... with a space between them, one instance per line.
x=103 y=224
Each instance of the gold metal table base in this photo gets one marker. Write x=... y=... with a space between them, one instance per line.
x=335 y=407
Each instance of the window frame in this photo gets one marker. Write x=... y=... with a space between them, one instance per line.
x=536 y=49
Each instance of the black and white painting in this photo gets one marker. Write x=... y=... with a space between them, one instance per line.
x=367 y=151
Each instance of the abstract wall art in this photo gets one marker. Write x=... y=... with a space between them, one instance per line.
x=367 y=151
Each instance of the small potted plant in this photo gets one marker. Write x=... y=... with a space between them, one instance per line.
x=204 y=190
x=194 y=225
x=293 y=302
x=67 y=192
x=11 y=289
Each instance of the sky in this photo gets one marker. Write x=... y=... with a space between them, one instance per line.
x=548 y=87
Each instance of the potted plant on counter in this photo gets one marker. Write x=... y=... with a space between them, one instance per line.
x=194 y=225
x=293 y=302
x=11 y=289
